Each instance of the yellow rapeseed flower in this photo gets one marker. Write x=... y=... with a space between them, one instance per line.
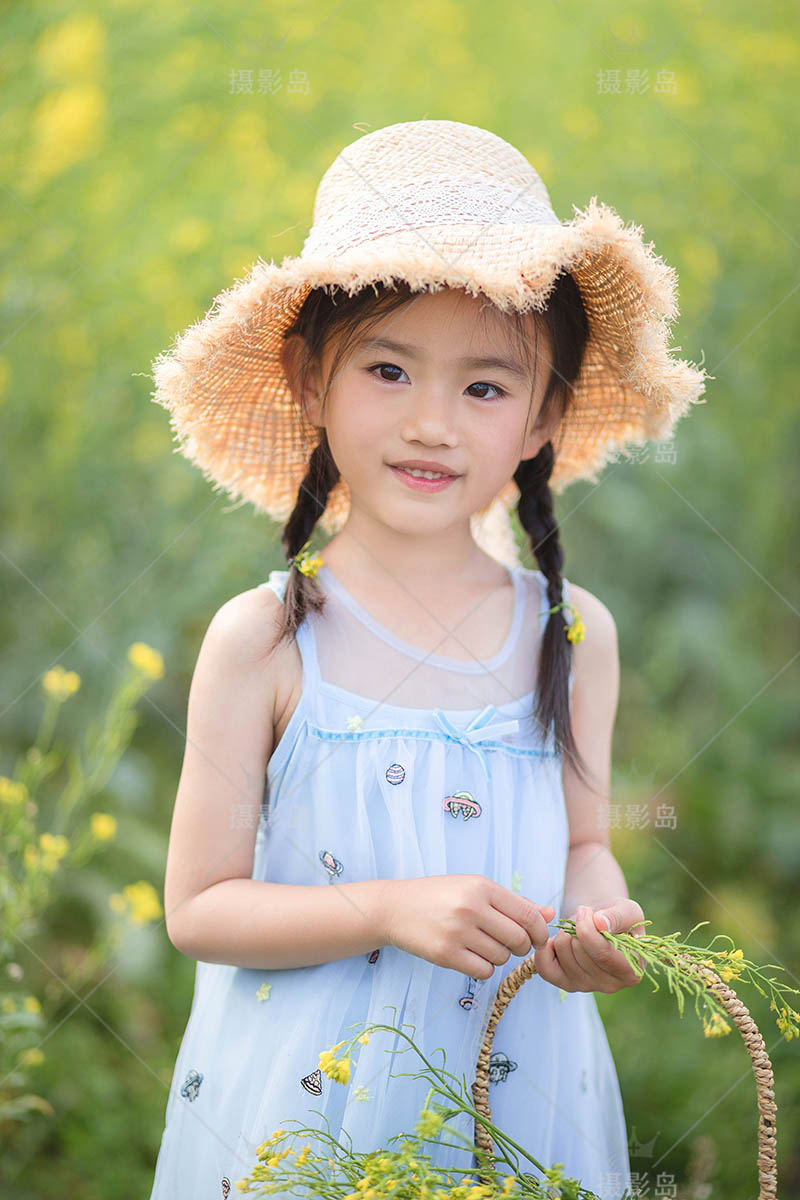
x=31 y=1004
x=785 y=1025
x=71 y=48
x=103 y=826
x=429 y=1123
x=31 y=1057
x=30 y=856
x=55 y=844
x=140 y=900
x=12 y=792
x=61 y=684
x=143 y=902
x=576 y=632
x=147 y=660
x=717 y=1026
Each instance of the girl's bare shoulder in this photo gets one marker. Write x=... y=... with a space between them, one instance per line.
x=246 y=627
x=596 y=657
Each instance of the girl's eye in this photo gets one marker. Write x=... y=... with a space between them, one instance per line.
x=392 y=367
x=385 y=367
x=499 y=390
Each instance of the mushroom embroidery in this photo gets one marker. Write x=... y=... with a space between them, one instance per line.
x=499 y=1067
x=191 y=1085
x=462 y=804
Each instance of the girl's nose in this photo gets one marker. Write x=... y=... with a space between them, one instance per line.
x=431 y=415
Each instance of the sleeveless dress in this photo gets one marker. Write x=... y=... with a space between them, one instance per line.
x=398 y=764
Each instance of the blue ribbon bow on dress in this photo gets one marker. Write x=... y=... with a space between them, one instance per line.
x=479 y=729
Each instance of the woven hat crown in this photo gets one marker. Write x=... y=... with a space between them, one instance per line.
x=409 y=176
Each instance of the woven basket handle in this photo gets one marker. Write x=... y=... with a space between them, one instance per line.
x=762 y=1067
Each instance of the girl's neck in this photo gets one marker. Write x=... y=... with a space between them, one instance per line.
x=352 y=561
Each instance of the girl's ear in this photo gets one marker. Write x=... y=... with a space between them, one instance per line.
x=307 y=396
x=538 y=436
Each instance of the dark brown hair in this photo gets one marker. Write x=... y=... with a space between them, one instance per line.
x=329 y=312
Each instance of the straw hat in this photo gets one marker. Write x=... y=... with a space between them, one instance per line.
x=434 y=203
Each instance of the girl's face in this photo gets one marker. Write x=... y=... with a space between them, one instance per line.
x=415 y=387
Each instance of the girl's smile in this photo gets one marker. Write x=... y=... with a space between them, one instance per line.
x=421 y=483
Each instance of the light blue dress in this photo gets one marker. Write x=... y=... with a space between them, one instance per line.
x=399 y=763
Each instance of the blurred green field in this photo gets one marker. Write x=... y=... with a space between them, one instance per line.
x=148 y=157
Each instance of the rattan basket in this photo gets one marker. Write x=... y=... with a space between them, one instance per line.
x=762 y=1068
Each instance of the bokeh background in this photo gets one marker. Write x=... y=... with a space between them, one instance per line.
x=148 y=158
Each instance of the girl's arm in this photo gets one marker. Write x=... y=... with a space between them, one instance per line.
x=214 y=911
x=593 y=875
x=587 y=962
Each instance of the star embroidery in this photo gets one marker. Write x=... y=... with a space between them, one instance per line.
x=354 y=722
x=361 y=1093
x=264 y=991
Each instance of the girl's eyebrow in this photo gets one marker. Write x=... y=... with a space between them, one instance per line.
x=471 y=362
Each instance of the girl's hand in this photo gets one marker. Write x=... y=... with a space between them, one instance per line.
x=588 y=962
x=468 y=923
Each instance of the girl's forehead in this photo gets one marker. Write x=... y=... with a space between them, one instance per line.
x=456 y=320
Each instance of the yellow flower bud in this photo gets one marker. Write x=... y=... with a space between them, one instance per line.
x=103 y=826
x=60 y=684
x=147 y=660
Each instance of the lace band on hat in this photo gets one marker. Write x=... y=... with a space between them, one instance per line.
x=386 y=211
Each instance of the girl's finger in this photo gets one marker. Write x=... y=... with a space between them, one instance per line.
x=564 y=948
x=549 y=968
x=594 y=952
x=596 y=977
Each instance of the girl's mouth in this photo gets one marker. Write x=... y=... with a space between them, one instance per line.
x=420 y=484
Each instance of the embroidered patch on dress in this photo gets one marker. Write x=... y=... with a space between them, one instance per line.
x=264 y=991
x=331 y=864
x=516 y=882
x=468 y=999
x=499 y=1067
x=226 y=1187
x=313 y=1082
x=462 y=804
x=354 y=722
x=395 y=773
x=191 y=1085
x=373 y=957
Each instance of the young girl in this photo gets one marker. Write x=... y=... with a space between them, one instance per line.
x=433 y=718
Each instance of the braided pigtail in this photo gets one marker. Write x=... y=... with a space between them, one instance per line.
x=303 y=593
x=537 y=517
